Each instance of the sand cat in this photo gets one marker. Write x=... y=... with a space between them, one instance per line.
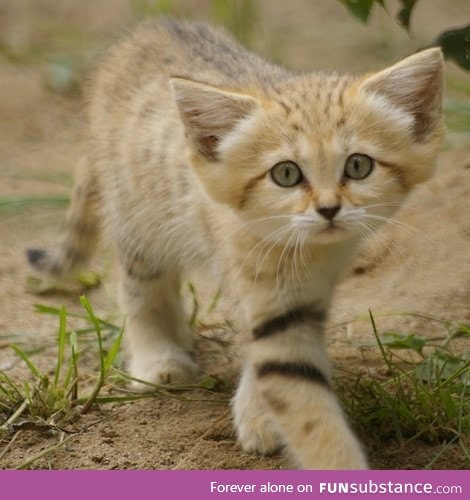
x=200 y=153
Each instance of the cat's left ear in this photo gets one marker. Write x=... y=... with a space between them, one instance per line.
x=414 y=85
x=209 y=113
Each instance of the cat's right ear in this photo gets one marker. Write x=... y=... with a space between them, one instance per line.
x=414 y=85
x=209 y=113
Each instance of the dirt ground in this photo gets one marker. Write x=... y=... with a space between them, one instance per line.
x=420 y=265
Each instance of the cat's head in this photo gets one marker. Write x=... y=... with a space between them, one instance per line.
x=324 y=155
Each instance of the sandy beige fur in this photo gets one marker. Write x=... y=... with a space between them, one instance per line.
x=185 y=128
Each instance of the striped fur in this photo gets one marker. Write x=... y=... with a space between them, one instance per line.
x=281 y=323
x=185 y=126
x=302 y=371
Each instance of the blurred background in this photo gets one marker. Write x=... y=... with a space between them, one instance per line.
x=48 y=49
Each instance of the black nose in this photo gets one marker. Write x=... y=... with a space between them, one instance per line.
x=328 y=212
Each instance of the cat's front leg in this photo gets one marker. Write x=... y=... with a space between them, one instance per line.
x=257 y=430
x=292 y=375
x=158 y=338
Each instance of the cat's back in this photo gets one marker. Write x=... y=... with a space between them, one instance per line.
x=158 y=49
x=135 y=129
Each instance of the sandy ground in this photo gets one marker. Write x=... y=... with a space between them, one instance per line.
x=420 y=265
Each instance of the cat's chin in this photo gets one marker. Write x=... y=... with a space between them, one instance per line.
x=329 y=234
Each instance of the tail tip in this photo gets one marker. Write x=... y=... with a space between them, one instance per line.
x=36 y=257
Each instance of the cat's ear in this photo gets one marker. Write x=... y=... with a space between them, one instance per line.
x=414 y=85
x=209 y=113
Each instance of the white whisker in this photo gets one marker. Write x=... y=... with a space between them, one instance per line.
x=400 y=224
x=256 y=221
x=280 y=264
x=393 y=249
x=259 y=264
x=267 y=240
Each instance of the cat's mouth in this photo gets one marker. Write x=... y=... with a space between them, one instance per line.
x=329 y=233
x=331 y=228
x=325 y=230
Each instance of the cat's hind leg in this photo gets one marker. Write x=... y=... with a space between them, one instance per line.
x=158 y=336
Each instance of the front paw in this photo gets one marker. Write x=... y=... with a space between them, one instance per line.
x=256 y=431
x=259 y=437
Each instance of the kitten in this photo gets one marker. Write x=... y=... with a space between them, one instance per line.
x=201 y=153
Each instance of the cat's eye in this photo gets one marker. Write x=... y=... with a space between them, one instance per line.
x=286 y=174
x=358 y=166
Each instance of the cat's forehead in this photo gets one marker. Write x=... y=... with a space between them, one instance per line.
x=307 y=99
x=324 y=117
x=309 y=116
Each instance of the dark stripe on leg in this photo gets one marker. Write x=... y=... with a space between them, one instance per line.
x=305 y=371
x=284 y=321
x=140 y=275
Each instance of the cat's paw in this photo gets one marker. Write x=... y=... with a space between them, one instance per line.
x=256 y=429
x=259 y=435
x=175 y=368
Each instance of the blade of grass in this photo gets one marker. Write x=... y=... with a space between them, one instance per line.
x=96 y=324
x=195 y=304
x=444 y=448
x=15 y=415
x=9 y=382
x=113 y=351
x=61 y=344
x=33 y=368
x=74 y=366
x=215 y=300
x=27 y=202
x=9 y=445
x=379 y=343
x=105 y=361
x=45 y=452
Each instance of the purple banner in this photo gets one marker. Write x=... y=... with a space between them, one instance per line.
x=220 y=485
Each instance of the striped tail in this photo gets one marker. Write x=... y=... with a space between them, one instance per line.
x=81 y=234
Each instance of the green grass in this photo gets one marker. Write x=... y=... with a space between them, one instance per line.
x=457 y=111
x=152 y=8
x=425 y=398
x=457 y=115
x=240 y=17
x=422 y=395
x=62 y=51
x=46 y=397
x=48 y=400
x=20 y=203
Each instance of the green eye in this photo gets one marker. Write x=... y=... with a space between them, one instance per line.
x=358 y=166
x=286 y=174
